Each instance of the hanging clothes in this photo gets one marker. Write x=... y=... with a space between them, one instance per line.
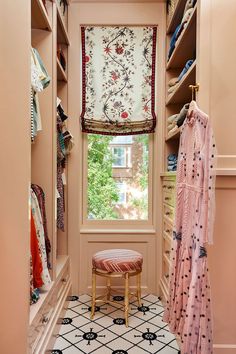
x=41 y=200
x=41 y=237
x=37 y=266
x=39 y=81
x=188 y=309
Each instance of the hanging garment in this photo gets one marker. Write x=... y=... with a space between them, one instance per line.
x=118 y=73
x=60 y=199
x=37 y=266
x=39 y=81
x=188 y=309
x=182 y=115
x=41 y=200
x=41 y=237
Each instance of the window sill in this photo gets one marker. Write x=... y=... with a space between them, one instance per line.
x=116 y=231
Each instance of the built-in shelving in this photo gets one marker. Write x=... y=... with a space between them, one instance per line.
x=61 y=74
x=177 y=16
x=182 y=94
x=60 y=263
x=39 y=16
x=186 y=45
x=174 y=135
x=168 y=174
x=62 y=34
x=35 y=308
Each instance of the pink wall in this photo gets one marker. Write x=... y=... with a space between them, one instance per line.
x=81 y=241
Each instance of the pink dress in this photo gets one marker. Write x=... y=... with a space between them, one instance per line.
x=188 y=310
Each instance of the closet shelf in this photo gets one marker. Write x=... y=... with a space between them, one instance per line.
x=177 y=16
x=61 y=74
x=61 y=262
x=62 y=34
x=39 y=16
x=186 y=46
x=173 y=136
x=168 y=174
x=182 y=93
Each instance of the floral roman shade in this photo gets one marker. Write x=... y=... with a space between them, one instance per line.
x=118 y=79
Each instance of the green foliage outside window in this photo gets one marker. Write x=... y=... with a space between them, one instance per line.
x=102 y=189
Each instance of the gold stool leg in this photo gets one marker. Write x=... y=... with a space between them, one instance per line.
x=139 y=288
x=126 y=299
x=93 y=293
x=108 y=288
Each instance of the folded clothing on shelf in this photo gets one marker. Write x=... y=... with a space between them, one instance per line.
x=171 y=122
x=178 y=30
x=173 y=130
x=189 y=5
x=172 y=162
x=185 y=69
x=173 y=83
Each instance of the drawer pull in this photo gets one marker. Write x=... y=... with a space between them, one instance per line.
x=64 y=280
x=167 y=231
x=45 y=319
x=167 y=198
x=168 y=213
x=167 y=276
x=170 y=187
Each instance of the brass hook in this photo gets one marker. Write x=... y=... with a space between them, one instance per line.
x=194 y=89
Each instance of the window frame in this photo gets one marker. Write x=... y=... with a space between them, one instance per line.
x=127 y=155
x=92 y=225
x=124 y=187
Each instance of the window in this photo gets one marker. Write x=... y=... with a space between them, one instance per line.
x=122 y=192
x=115 y=191
x=121 y=156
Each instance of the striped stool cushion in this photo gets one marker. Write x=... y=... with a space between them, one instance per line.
x=118 y=260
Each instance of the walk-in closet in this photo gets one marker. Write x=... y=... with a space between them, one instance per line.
x=118 y=177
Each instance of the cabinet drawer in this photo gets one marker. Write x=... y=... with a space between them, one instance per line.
x=61 y=284
x=39 y=325
x=166 y=246
x=168 y=212
x=167 y=229
x=165 y=275
x=168 y=198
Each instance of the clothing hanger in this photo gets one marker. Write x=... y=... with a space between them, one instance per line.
x=195 y=89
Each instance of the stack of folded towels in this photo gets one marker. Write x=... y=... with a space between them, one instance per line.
x=173 y=83
x=172 y=162
x=176 y=120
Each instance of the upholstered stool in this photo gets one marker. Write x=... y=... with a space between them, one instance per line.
x=116 y=263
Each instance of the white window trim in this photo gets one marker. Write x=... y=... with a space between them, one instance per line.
x=125 y=156
x=128 y=153
x=124 y=187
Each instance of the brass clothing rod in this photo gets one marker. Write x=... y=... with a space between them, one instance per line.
x=194 y=89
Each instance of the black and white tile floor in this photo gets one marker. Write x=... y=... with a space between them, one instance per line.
x=107 y=334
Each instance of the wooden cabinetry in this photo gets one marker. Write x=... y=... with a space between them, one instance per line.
x=168 y=204
x=49 y=31
x=185 y=49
